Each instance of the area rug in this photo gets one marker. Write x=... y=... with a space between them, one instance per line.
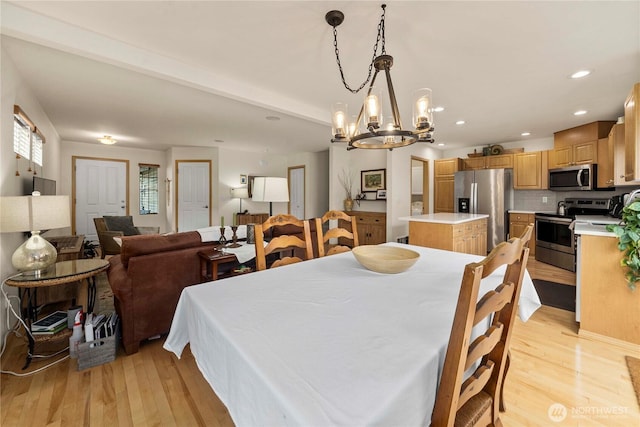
x=104 y=296
x=634 y=372
x=556 y=294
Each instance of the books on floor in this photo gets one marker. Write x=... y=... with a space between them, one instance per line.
x=55 y=322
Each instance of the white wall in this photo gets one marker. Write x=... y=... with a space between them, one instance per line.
x=538 y=144
x=316 y=167
x=14 y=91
x=135 y=156
x=399 y=182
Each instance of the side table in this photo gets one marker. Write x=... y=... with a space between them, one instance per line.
x=210 y=260
x=61 y=273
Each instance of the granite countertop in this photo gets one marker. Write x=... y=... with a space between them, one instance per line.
x=445 y=218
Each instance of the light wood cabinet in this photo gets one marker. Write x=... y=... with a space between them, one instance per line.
x=632 y=135
x=372 y=227
x=443 y=184
x=578 y=145
x=616 y=140
x=605 y=163
x=607 y=306
x=530 y=171
x=517 y=223
x=468 y=237
x=488 y=162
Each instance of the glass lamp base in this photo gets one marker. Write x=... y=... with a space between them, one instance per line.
x=34 y=255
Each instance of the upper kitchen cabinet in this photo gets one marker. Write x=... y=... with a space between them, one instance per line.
x=443 y=184
x=611 y=158
x=632 y=135
x=578 y=145
x=530 y=170
x=488 y=162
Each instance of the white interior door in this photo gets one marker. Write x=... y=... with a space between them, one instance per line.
x=100 y=189
x=296 y=191
x=194 y=201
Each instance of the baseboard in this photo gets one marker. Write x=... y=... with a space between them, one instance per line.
x=629 y=346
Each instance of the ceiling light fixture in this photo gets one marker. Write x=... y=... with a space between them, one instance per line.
x=580 y=113
x=460 y=122
x=525 y=133
x=368 y=130
x=580 y=74
x=107 y=140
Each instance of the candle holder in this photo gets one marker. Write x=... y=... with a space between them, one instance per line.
x=222 y=240
x=234 y=240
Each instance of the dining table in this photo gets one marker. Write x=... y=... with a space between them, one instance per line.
x=327 y=342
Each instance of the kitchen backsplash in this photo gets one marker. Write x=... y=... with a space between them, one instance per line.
x=532 y=200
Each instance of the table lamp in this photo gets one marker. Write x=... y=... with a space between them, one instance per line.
x=34 y=213
x=240 y=193
x=270 y=189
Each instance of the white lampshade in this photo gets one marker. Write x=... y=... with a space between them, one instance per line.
x=240 y=193
x=270 y=189
x=34 y=213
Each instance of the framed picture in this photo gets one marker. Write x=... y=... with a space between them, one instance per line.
x=243 y=179
x=381 y=195
x=373 y=180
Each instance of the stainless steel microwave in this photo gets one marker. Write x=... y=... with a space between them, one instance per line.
x=573 y=178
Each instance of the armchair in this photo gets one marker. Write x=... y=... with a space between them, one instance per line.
x=108 y=227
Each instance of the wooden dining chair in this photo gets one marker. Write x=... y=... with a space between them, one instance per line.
x=282 y=242
x=324 y=245
x=476 y=400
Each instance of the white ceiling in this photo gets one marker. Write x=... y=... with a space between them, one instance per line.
x=158 y=74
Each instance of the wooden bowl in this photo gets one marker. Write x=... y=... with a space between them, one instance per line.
x=385 y=259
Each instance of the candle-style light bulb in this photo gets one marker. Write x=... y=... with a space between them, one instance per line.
x=372 y=106
x=422 y=109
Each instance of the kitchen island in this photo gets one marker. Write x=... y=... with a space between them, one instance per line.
x=605 y=305
x=458 y=232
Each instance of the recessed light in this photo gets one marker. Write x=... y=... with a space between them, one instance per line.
x=580 y=74
x=218 y=140
x=441 y=144
x=438 y=109
x=580 y=113
x=525 y=133
x=460 y=122
x=273 y=118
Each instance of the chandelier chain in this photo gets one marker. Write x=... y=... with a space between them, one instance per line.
x=375 y=50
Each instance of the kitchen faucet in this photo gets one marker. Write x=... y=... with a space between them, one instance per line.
x=632 y=196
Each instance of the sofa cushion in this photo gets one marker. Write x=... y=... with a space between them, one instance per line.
x=121 y=223
x=144 y=244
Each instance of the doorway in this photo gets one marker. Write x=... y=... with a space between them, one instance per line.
x=296 y=178
x=193 y=194
x=99 y=187
x=419 y=186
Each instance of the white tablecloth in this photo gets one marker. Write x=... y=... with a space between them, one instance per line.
x=327 y=342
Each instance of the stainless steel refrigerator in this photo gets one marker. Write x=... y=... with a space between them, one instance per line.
x=486 y=191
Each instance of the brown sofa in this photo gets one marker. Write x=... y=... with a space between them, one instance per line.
x=147 y=279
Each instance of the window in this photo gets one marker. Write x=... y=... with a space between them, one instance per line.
x=148 y=189
x=27 y=139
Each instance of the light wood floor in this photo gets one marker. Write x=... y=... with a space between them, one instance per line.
x=550 y=364
x=550 y=273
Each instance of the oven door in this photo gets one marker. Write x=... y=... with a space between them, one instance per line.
x=554 y=233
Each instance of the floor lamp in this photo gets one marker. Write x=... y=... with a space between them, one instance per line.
x=270 y=189
x=240 y=193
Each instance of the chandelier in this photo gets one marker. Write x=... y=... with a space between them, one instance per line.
x=370 y=129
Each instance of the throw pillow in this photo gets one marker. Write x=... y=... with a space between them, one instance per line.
x=121 y=223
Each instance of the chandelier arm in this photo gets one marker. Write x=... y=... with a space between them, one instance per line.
x=392 y=99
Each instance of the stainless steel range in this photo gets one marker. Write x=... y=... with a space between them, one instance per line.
x=555 y=241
